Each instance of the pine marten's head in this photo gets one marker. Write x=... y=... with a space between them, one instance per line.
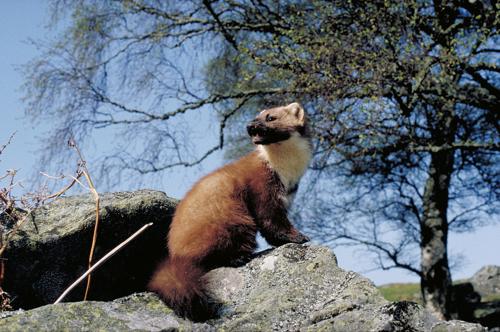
x=278 y=124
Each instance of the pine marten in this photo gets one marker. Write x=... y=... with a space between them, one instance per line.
x=217 y=221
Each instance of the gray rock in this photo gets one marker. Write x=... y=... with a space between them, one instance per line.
x=138 y=312
x=51 y=249
x=291 y=288
x=486 y=281
x=457 y=326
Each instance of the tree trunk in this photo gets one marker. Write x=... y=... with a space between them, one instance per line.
x=436 y=278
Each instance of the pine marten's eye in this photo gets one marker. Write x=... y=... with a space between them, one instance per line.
x=270 y=118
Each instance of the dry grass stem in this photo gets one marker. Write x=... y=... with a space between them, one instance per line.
x=95 y=194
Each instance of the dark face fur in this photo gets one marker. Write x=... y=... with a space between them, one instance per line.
x=277 y=124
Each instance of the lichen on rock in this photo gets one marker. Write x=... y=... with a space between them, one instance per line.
x=290 y=288
x=51 y=249
x=288 y=297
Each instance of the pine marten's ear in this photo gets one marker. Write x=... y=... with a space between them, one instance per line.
x=297 y=110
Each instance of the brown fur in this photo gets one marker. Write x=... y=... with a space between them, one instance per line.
x=216 y=224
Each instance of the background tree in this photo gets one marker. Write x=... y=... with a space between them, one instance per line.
x=403 y=97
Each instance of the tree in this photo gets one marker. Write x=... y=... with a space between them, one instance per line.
x=403 y=98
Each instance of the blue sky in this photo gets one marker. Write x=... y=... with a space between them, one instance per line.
x=24 y=19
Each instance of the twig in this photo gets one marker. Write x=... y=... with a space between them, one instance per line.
x=63 y=190
x=94 y=192
x=94 y=236
x=8 y=142
x=101 y=261
x=4 y=301
x=27 y=213
x=9 y=207
x=11 y=233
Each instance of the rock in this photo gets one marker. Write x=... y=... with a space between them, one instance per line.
x=291 y=288
x=486 y=281
x=464 y=300
x=51 y=248
x=491 y=320
x=457 y=326
x=138 y=312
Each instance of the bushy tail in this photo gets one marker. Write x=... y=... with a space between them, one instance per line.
x=179 y=283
